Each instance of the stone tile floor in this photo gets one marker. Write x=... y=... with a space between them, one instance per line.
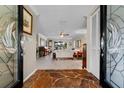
x=62 y=79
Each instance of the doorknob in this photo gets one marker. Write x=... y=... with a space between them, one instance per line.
x=102 y=43
x=22 y=54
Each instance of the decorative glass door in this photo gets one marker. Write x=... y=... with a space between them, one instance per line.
x=113 y=46
x=9 y=46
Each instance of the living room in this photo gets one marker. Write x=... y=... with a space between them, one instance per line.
x=66 y=43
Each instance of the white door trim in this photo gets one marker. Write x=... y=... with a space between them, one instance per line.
x=94 y=67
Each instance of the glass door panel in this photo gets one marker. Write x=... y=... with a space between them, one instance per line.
x=115 y=46
x=8 y=45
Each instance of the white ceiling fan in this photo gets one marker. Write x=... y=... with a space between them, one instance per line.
x=62 y=34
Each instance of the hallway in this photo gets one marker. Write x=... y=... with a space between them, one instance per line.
x=62 y=79
x=62 y=46
x=53 y=46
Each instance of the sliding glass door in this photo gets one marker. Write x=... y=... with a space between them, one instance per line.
x=112 y=41
x=9 y=46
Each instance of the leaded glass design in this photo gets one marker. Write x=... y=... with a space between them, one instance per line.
x=115 y=46
x=8 y=45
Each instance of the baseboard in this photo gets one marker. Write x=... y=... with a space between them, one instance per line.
x=30 y=75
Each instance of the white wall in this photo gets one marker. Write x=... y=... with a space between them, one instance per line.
x=30 y=47
x=88 y=44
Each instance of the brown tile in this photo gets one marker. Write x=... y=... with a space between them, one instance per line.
x=67 y=83
x=62 y=79
x=85 y=83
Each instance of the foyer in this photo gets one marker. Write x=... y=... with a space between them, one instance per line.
x=54 y=47
x=61 y=46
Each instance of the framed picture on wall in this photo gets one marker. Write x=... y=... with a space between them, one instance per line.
x=27 y=21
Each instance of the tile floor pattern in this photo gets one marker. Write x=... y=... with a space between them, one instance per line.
x=62 y=79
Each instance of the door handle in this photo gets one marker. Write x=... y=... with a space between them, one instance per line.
x=102 y=43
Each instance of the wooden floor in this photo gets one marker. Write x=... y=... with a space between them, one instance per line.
x=62 y=79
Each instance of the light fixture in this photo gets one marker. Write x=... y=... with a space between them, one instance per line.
x=61 y=34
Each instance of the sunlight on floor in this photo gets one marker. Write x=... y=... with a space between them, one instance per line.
x=48 y=63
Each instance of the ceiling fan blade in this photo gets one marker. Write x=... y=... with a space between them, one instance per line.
x=66 y=34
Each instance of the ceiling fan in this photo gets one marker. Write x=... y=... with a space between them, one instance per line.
x=62 y=34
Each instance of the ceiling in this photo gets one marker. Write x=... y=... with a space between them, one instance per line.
x=70 y=19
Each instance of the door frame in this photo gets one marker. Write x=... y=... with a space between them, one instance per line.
x=19 y=82
x=97 y=47
x=103 y=37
